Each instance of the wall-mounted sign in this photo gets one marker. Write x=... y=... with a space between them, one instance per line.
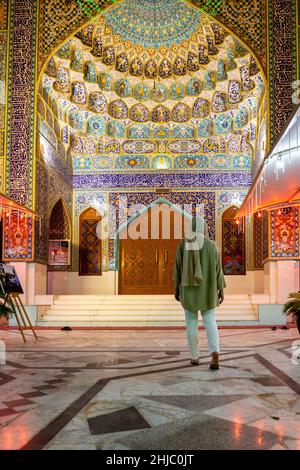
x=59 y=253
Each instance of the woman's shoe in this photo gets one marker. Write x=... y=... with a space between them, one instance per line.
x=195 y=362
x=214 y=365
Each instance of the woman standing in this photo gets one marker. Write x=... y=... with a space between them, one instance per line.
x=199 y=286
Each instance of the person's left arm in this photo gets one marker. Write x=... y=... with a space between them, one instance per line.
x=177 y=272
x=221 y=284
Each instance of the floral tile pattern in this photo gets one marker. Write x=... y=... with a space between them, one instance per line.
x=138 y=391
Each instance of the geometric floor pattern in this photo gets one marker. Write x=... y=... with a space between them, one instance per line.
x=131 y=389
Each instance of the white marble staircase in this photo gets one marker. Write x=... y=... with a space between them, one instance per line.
x=137 y=311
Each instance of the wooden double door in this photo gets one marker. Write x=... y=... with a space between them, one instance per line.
x=146 y=263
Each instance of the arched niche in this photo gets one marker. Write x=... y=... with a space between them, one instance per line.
x=59 y=225
x=233 y=243
x=90 y=247
x=59 y=238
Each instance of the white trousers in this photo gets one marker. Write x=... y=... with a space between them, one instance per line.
x=212 y=333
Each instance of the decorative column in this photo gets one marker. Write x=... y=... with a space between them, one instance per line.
x=282 y=62
x=257 y=241
x=21 y=93
x=4 y=46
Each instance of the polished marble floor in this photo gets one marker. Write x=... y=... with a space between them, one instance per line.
x=133 y=389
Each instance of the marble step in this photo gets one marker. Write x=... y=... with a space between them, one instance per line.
x=102 y=321
x=143 y=307
x=147 y=322
x=137 y=320
x=137 y=303
x=140 y=314
x=128 y=324
x=123 y=298
x=96 y=320
x=138 y=311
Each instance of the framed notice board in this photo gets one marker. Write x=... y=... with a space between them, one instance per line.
x=9 y=281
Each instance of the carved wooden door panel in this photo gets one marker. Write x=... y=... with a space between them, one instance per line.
x=168 y=254
x=139 y=259
x=168 y=250
x=146 y=265
x=90 y=256
x=139 y=267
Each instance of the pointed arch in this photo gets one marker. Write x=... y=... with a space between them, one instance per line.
x=90 y=246
x=59 y=222
x=59 y=232
x=233 y=243
x=157 y=202
x=160 y=113
x=93 y=14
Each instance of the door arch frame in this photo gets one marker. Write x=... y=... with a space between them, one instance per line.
x=124 y=226
x=161 y=240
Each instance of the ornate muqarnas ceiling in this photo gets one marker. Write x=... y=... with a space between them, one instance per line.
x=151 y=78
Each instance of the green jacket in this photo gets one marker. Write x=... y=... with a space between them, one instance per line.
x=205 y=295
